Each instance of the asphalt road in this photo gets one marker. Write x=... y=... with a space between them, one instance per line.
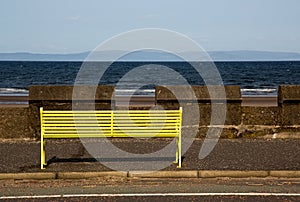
x=167 y=198
x=71 y=155
x=132 y=189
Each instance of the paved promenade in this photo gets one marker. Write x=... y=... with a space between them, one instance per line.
x=70 y=155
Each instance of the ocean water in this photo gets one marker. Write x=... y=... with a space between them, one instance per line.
x=255 y=78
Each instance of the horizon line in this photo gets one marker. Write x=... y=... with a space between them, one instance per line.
x=87 y=51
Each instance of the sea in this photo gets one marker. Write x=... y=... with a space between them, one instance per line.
x=254 y=78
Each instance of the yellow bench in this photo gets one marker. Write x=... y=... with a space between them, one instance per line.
x=111 y=123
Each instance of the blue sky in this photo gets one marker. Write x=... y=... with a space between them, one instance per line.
x=61 y=26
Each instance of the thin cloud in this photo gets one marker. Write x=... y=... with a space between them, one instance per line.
x=73 y=18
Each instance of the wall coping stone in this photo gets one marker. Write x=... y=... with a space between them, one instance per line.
x=65 y=93
x=163 y=93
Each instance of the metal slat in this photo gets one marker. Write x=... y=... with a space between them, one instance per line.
x=68 y=115
x=74 y=124
x=75 y=135
x=142 y=128
x=107 y=124
x=145 y=132
x=146 y=115
x=121 y=125
x=143 y=121
x=75 y=128
x=76 y=112
x=144 y=111
x=146 y=124
x=75 y=132
x=115 y=130
x=76 y=118
x=107 y=136
x=170 y=135
x=109 y=111
x=146 y=118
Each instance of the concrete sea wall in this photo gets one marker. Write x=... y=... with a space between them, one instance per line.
x=278 y=121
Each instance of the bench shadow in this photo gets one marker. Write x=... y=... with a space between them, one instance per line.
x=81 y=160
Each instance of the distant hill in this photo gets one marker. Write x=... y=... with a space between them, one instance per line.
x=23 y=56
x=253 y=56
x=155 y=56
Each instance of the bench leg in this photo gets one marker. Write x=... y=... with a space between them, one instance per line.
x=43 y=155
x=178 y=156
x=178 y=152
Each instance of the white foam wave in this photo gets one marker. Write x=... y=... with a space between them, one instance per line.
x=136 y=92
x=266 y=90
x=15 y=91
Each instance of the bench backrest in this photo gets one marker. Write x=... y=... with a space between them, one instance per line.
x=110 y=123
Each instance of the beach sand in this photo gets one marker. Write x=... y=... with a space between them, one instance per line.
x=13 y=101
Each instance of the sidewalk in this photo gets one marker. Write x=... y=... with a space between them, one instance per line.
x=232 y=156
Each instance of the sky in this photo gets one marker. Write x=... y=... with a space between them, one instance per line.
x=71 y=26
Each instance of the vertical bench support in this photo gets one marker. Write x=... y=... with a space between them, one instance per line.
x=179 y=139
x=112 y=124
x=43 y=153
